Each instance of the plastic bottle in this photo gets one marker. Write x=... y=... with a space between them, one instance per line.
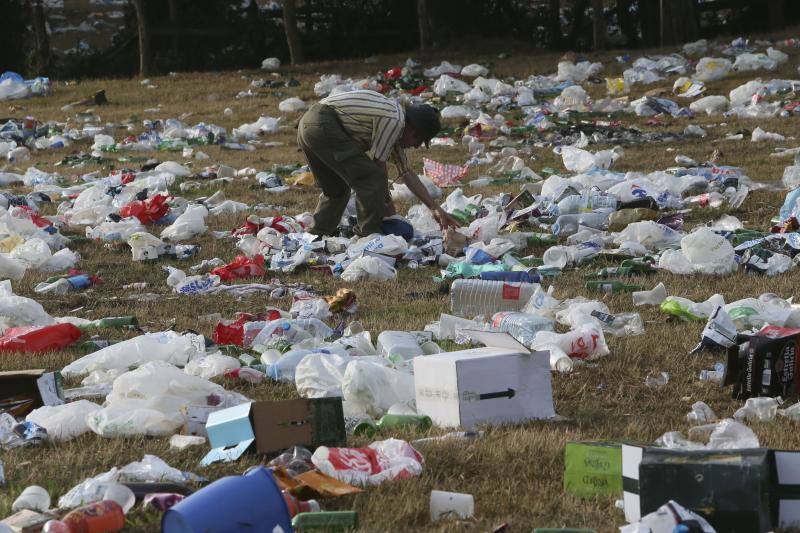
x=414 y=422
x=657 y=380
x=611 y=286
x=561 y=256
x=521 y=326
x=566 y=225
x=473 y=297
x=715 y=375
x=98 y=517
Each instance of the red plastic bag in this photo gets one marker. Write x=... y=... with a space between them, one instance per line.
x=232 y=331
x=147 y=211
x=251 y=226
x=381 y=461
x=38 y=339
x=242 y=267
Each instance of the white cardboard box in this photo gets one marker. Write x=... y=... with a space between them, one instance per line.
x=491 y=385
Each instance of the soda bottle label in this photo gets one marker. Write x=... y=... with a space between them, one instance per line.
x=510 y=292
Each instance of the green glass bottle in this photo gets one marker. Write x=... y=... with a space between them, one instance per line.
x=369 y=428
x=612 y=286
x=325 y=520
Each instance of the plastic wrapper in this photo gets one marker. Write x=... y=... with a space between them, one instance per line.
x=371 y=388
x=381 y=461
x=211 y=366
x=64 y=422
x=366 y=267
x=166 y=346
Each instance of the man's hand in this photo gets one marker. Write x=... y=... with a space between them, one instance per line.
x=444 y=219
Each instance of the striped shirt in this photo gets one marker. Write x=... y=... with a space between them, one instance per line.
x=375 y=122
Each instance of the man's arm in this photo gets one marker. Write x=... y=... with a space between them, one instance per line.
x=419 y=190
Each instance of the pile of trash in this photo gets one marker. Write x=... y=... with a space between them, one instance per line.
x=490 y=360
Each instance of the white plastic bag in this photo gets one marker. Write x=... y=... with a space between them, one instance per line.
x=708 y=252
x=190 y=224
x=63 y=422
x=367 y=267
x=712 y=69
x=709 y=105
x=321 y=375
x=212 y=365
x=167 y=346
x=371 y=388
x=292 y=105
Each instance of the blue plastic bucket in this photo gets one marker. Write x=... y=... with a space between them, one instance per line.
x=251 y=503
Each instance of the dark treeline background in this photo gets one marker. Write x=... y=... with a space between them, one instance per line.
x=158 y=36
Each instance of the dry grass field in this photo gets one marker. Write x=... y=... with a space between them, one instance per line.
x=515 y=472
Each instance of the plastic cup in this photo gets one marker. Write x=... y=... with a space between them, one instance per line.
x=444 y=504
x=120 y=494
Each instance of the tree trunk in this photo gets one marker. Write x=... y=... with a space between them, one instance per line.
x=578 y=15
x=649 y=17
x=678 y=22
x=599 y=25
x=775 y=15
x=144 y=38
x=554 y=22
x=626 y=22
x=292 y=35
x=424 y=22
x=42 y=40
x=174 y=25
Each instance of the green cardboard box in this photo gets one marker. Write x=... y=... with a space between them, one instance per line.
x=593 y=469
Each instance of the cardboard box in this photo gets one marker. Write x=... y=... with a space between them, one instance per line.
x=631 y=459
x=502 y=383
x=593 y=469
x=271 y=427
x=735 y=490
x=22 y=391
x=729 y=488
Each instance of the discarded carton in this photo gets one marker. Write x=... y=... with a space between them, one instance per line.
x=26 y=521
x=593 y=469
x=196 y=417
x=502 y=383
x=737 y=490
x=274 y=426
x=23 y=391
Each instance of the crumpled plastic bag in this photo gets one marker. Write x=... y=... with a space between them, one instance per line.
x=63 y=422
x=242 y=267
x=446 y=84
x=666 y=519
x=371 y=388
x=367 y=267
x=168 y=346
x=190 y=224
x=381 y=461
x=148 y=401
x=708 y=252
x=150 y=469
x=292 y=105
x=712 y=69
x=709 y=105
x=321 y=375
x=211 y=366
x=19 y=310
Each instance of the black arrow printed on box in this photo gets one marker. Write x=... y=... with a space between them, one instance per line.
x=504 y=394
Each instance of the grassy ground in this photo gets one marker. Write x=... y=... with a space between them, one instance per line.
x=515 y=472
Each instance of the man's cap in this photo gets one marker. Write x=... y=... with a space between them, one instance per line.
x=424 y=119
